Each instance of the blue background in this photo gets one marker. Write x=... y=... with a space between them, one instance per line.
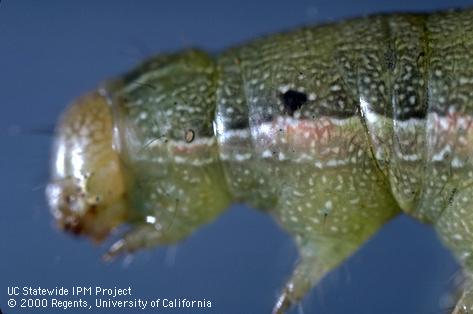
x=52 y=51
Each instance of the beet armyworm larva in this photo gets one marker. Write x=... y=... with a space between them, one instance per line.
x=333 y=130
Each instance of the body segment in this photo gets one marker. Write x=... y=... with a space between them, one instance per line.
x=333 y=130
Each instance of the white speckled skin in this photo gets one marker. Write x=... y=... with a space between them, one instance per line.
x=332 y=129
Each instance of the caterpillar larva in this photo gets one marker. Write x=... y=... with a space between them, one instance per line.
x=333 y=130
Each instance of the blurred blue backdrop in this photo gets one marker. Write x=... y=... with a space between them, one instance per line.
x=52 y=51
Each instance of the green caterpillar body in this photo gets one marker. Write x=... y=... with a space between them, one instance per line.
x=333 y=130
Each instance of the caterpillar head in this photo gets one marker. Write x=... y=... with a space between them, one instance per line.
x=86 y=194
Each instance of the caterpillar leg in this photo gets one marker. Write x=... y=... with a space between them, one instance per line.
x=141 y=237
x=330 y=214
x=455 y=227
x=465 y=303
x=316 y=259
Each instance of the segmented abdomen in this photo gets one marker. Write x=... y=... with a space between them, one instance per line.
x=389 y=97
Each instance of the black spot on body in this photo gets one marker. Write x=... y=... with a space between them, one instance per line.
x=390 y=59
x=420 y=58
x=239 y=124
x=292 y=100
x=409 y=114
x=452 y=196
